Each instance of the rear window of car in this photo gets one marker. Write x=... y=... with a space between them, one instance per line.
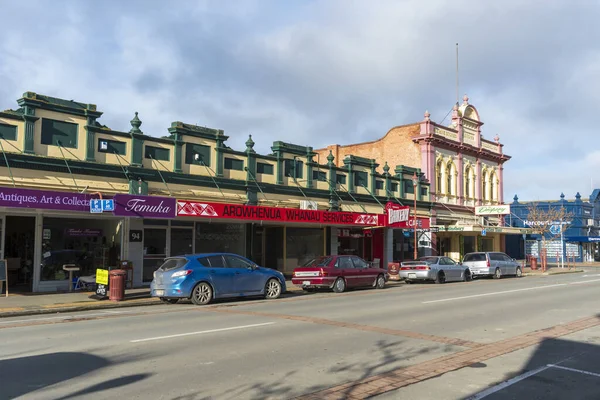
x=318 y=262
x=474 y=257
x=212 y=261
x=172 y=263
x=429 y=259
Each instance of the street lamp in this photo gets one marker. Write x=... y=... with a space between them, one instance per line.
x=414 y=182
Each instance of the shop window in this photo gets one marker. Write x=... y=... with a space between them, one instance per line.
x=394 y=186
x=57 y=133
x=112 y=147
x=320 y=176
x=360 y=179
x=88 y=243
x=303 y=245
x=220 y=238
x=293 y=168
x=423 y=191
x=379 y=184
x=8 y=132
x=263 y=168
x=408 y=187
x=197 y=154
x=234 y=163
x=340 y=178
x=157 y=153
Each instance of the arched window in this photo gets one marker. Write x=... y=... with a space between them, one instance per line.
x=449 y=179
x=468 y=182
x=438 y=183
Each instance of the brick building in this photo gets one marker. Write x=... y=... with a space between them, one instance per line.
x=463 y=169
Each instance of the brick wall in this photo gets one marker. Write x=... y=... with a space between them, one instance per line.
x=396 y=147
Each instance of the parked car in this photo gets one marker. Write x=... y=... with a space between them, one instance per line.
x=434 y=268
x=339 y=273
x=494 y=264
x=204 y=277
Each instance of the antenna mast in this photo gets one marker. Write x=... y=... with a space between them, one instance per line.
x=456 y=73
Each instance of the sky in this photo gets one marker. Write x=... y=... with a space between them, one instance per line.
x=317 y=73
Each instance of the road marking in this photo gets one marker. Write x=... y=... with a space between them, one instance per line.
x=494 y=293
x=585 y=276
x=507 y=383
x=201 y=332
x=64 y=317
x=574 y=370
x=588 y=281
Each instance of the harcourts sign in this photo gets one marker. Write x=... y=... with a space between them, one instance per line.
x=145 y=206
x=501 y=209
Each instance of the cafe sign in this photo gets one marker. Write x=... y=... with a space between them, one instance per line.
x=500 y=209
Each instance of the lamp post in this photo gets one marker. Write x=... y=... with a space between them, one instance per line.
x=414 y=182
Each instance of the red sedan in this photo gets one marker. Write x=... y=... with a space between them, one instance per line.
x=339 y=273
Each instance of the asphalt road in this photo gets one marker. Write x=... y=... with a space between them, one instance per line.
x=304 y=344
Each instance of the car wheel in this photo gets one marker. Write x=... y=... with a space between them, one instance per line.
x=408 y=281
x=168 y=301
x=339 y=286
x=440 y=278
x=272 y=289
x=202 y=294
x=379 y=282
x=467 y=276
x=519 y=273
x=497 y=274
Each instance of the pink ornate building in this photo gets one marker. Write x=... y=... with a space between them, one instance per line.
x=464 y=171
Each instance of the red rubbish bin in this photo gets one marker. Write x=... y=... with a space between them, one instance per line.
x=533 y=263
x=117 y=284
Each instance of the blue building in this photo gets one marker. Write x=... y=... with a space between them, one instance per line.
x=581 y=239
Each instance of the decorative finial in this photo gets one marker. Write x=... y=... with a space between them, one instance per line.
x=562 y=196
x=386 y=169
x=497 y=138
x=516 y=199
x=455 y=108
x=465 y=99
x=427 y=115
x=250 y=145
x=578 y=196
x=330 y=158
x=135 y=124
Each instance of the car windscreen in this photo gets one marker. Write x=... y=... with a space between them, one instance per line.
x=172 y=263
x=474 y=257
x=318 y=262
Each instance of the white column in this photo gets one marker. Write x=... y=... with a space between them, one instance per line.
x=388 y=247
x=134 y=252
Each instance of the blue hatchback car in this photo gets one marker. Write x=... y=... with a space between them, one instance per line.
x=204 y=277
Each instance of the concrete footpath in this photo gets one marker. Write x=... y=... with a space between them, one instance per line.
x=20 y=304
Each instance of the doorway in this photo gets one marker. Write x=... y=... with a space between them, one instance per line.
x=155 y=251
x=19 y=248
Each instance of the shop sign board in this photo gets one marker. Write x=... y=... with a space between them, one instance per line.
x=45 y=199
x=127 y=205
x=3 y=275
x=500 y=209
x=396 y=214
x=186 y=208
x=102 y=286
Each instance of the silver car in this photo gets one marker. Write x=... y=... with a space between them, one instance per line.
x=494 y=264
x=437 y=269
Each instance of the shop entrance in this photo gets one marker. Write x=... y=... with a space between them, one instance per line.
x=267 y=246
x=19 y=246
x=356 y=241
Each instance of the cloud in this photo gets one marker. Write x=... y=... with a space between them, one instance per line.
x=317 y=73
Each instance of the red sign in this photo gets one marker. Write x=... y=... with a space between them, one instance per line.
x=396 y=214
x=187 y=208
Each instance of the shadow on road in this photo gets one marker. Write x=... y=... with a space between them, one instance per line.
x=24 y=375
x=559 y=369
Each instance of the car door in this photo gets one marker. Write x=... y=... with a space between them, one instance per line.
x=497 y=261
x=511 y=265
x=364 y=270
x=247 y=280
x=452 y=268
x=221 y=277
x=347 y=270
